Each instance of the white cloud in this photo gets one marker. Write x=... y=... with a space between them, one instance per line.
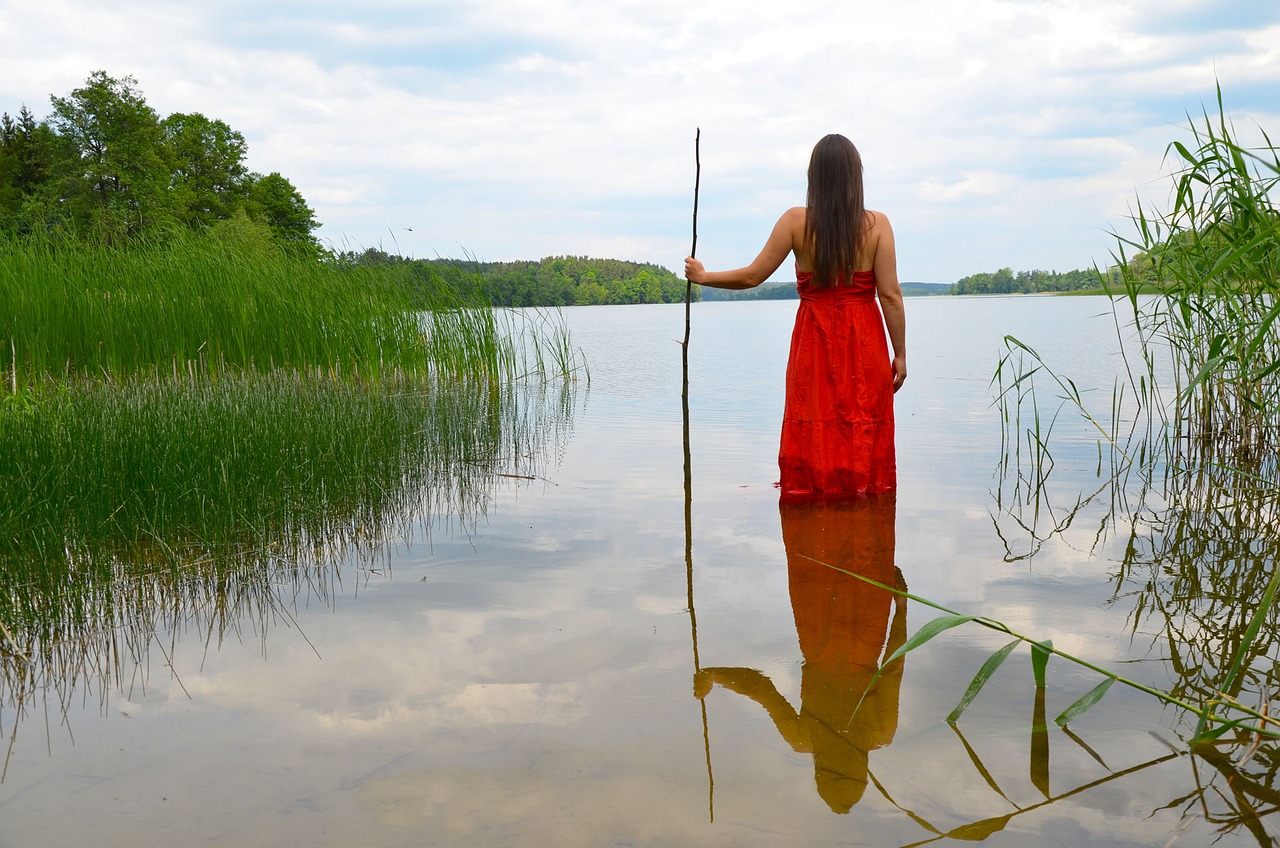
x=986 y=183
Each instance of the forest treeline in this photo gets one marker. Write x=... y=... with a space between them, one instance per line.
x=551 y=281
x=583 y=281
x=1006 y=281
x=787 y=291
x=106 y=167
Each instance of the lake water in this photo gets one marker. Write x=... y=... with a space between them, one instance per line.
x=529 y=677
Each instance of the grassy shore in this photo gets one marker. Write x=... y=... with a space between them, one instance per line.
x=219 y=302
x=195 y=430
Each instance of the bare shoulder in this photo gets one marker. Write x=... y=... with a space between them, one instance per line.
x=879 y=234
x=793 y=217
x=792 y=223
x=878 y=220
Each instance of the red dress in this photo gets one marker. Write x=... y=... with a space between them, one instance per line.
x=837 y=428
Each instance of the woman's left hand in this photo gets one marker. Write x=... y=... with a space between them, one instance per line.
x=899 y=372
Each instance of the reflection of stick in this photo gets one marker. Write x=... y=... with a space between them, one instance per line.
x=688 y=478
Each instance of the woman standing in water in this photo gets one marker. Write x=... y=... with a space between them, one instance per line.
x=837 y=427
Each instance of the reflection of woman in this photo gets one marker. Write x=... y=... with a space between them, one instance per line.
x=837 y=427
x=845 y=631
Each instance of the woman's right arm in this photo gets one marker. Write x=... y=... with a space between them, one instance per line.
x=787 y=235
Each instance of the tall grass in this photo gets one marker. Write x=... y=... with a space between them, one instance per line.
x=223 y=301
x=241 y=457
x=1215 y=259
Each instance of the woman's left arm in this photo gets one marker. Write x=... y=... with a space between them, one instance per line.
x=890 y=293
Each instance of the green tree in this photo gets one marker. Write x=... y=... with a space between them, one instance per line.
x=114 y=177
x=10 y=191
x=29 y=151
x=1005 y=281
x=273 y=200
x=31 y=146
x=105 y=165
x=207 y=176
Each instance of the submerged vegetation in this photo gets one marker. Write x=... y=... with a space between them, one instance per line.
x=212 y=505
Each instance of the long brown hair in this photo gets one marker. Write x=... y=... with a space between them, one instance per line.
x=834 y=211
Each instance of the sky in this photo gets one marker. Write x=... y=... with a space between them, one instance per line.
x=994 y=133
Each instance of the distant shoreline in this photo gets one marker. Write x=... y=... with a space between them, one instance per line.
x=787 y=291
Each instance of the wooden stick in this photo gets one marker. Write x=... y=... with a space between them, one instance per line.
x=688 y=479
x=693 y=250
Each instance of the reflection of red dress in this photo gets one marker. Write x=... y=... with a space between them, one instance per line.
x=837 y=429
x=845 y=710
x=847 y=707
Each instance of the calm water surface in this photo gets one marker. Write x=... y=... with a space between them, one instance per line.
x=529 y=677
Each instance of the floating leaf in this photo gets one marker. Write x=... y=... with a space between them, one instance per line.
x=1083 y=705
x=980 y=679
x=978 y=831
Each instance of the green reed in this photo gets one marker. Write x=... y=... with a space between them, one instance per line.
x=221 y=301
x=1217 y=714
x=1234 y=770
x=1195 y=308
x=1187 y=480
x=533 y=341
x=1215 y=259
x=158 y=458
x=1196 y=544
